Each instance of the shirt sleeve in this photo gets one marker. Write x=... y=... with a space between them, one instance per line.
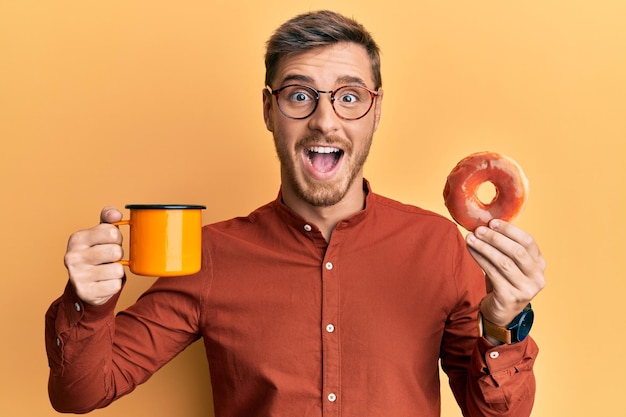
x=502 y=379
x=486 y=380
x=79 y=344
x=96 y=356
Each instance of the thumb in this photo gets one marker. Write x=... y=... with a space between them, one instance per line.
x=110 y=214
x=488 y=283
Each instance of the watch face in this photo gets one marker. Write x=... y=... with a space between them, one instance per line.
x=524 y=325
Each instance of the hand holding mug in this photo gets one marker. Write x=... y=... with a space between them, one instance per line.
x=91 y=259
x=165 y=240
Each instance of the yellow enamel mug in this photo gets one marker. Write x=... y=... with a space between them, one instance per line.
x=165 y=239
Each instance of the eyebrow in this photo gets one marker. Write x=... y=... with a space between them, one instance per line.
x=351 y=80
x=298 y=78
x=343 y=80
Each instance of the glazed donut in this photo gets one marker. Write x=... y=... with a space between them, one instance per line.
x=460 y=191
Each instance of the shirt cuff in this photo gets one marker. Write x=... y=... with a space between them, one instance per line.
x=77 y=310
x=502 y=362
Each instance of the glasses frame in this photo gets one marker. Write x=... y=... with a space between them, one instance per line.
x=318 y=93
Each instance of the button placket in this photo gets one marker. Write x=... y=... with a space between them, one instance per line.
x=331 y=359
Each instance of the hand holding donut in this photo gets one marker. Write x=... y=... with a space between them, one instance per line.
x=513 y=265
x=510 y=257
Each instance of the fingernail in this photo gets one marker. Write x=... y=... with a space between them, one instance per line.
x=480 y=230
x=471 y=238
x=495 y=223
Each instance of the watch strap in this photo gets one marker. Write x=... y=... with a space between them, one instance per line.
x=488 y=328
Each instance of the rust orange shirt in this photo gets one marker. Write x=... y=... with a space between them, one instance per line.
x=296 y=326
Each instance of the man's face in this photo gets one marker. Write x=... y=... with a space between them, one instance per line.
x=321 y=156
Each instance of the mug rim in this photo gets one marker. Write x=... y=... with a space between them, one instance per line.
x=165 y=207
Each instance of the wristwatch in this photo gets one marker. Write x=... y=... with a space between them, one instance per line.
x=515 y=332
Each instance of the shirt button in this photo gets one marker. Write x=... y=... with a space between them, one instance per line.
x=332 y=397
x=329 y=265
x=330 y=328
x=77 y=306
x=308 y=227
x=494 y=355
x=58 y=342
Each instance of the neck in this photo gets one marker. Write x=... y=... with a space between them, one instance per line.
x=327 y=218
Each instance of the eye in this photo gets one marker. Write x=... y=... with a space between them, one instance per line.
x=300 y=95
x=350 y=96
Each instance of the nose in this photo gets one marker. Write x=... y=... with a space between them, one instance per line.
x=324 y=119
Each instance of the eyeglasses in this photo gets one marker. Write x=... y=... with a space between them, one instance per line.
x=298 y=102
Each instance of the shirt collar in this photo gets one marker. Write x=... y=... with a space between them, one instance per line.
x=295 y=220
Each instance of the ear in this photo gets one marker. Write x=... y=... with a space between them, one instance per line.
x=267 y=110
x=378 y=108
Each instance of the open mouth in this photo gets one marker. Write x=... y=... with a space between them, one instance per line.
x=323 y=158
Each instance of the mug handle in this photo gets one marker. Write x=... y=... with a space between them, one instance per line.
x=122 y=223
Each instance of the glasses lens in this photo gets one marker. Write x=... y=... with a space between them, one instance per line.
x=353 y=102
x=297 y=101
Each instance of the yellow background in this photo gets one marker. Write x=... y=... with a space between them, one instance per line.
x=117 y=102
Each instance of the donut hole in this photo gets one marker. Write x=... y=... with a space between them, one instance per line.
x=486 y=192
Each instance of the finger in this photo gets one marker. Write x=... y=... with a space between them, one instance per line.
x=95 y=284
x=515 y=276
x=98 y=291
x=86 y=274
x=84 y=259
x=493 y=253
x=505 y=281
x=506 y=291
x=517 y=235
x=484 y=264
x=110 y=214
x=103 y=254
x=98 y=235
x=515 y=244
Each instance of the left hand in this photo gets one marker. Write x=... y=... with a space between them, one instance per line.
x=513 y=265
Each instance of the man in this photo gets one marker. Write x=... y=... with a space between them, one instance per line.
x=331 y=300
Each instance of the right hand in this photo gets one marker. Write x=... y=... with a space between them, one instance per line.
x=91 y=259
